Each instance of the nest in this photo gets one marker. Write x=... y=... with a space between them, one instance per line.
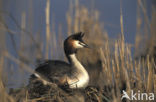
x=38 y=92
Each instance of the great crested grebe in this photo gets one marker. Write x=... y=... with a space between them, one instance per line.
x=60 y=72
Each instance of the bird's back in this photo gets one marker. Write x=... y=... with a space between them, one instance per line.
x=53 y=70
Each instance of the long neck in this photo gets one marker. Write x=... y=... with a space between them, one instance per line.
x=81 y=77
x=74 y=62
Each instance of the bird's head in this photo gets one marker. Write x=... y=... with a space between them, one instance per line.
x=74 y=42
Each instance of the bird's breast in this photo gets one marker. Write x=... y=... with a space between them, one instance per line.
x=79 y=80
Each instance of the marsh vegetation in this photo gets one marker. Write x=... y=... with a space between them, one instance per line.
x=111 y=64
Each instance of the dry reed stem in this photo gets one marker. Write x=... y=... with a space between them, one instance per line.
x=145 y=14
x=122 y=52
x=69 y=18
x=4 y=95
x=103 y=59
x=150 y=76
x=47 y=13
x=77 y=16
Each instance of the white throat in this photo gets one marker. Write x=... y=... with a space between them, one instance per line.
x=81 y=78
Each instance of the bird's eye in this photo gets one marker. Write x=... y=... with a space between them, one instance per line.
x=80 y=43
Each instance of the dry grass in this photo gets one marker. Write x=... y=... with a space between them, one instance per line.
x=110 y=63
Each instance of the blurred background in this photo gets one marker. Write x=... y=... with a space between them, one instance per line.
x=31 y=30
